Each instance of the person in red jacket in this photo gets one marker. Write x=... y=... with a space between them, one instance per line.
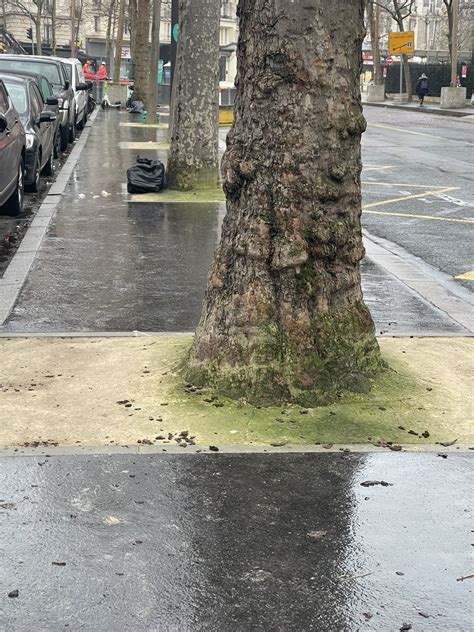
x=102 y=71
x=87 y=66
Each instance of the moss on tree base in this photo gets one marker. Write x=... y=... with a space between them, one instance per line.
x=341 y=355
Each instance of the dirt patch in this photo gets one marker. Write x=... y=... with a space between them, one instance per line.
x=125 y=391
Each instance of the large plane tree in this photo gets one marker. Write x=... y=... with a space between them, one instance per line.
x=284 y=318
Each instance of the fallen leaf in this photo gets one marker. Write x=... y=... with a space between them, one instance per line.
x=373 y=483
x=58 y=563
x=446 y=444
x=112 y=519
x=14 y=593
x=405 y=627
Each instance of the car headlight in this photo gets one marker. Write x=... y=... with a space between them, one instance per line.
x=30 y=140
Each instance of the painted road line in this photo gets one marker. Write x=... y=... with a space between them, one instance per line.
x=151 y=146
x=409 y=197
x=459 y=220
x=146 y=125
x=467 y=276
x=373 y=168
x=406 y=131
x=436 y=287
x=402 y=184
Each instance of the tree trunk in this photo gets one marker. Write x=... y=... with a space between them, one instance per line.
x=132 y=20
x=119 y=42
x=141 y=50
x=109 y=36
x=374 y=25
x=283 y=318
x=38 y=25
x=152 y=100
x=194 y=157
x=53 y=27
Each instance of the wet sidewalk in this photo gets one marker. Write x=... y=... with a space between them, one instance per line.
x=427 y=108
x=107 y=264
x=236 y=542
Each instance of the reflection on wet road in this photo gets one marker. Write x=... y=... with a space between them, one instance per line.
x=236 y=542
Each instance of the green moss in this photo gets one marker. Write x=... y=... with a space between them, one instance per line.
x=173 y=196
x=396 y=399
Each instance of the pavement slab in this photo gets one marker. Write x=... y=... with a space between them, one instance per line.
x=128 y=391
x=236 y=542
x=112 y=263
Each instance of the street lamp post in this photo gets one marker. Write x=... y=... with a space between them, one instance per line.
x=454 y=44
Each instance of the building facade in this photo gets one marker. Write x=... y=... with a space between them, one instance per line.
x=95 y=27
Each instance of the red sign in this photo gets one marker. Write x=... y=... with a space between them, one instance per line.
x=389 y=61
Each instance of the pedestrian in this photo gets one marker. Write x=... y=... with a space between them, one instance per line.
x=87 y=66
x=422 y=88
x=102 y=71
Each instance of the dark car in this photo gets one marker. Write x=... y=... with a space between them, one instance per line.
x=12 y=155
x=39 y=127
x=52 y=103
x=55 y=72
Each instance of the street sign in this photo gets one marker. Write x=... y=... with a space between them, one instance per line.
x=389 y=61
x=401 y=43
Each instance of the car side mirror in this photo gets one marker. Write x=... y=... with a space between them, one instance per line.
x=82 y=86
x=89 y=84
x=47 y=117
x=67 y=85
x=3 y=124
x=52 y=101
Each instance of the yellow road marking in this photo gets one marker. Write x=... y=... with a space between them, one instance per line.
x=407 y=131
x=146 y=125
x=400 y=184
x=374 y=168
x=467 y=276
x=409 y=197
x=150 y=146
x=461 y=220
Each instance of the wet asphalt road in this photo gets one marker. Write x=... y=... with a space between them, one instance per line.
x=111 y=265
x=416 y=153
x=236 y=543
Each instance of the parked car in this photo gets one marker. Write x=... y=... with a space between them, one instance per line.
x=39 y=125
x=75 y=75
x=12 y=155
x=52 y=103
x=55 y=71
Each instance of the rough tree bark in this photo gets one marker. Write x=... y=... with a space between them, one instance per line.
x=119 y=42
x=53 y=27
x=142 y=38
x=132 y=25
x=109 y=36
x=152 y=100
x=373 y=17
x=38 y=27
x=194 y=154
x=284 y=318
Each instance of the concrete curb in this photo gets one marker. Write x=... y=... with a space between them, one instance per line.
x=426 y=109
x=431 y=284
x=15 y=275
x=107 y=450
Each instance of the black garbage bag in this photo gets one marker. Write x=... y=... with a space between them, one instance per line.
x=138 y=107
x=147 y=176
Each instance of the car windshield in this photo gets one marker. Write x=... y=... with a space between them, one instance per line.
x=17 y=92
x=49 y=70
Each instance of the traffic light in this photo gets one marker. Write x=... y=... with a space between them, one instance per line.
x=29 y=33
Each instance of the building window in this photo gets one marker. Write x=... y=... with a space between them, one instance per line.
x=47 y=33
x=97 y=24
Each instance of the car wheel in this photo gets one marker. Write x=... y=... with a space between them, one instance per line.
x=35 y=185
x=48 y=169
x=64 y=135
x=14 y=205
x=57 y=144
x=73 y=131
